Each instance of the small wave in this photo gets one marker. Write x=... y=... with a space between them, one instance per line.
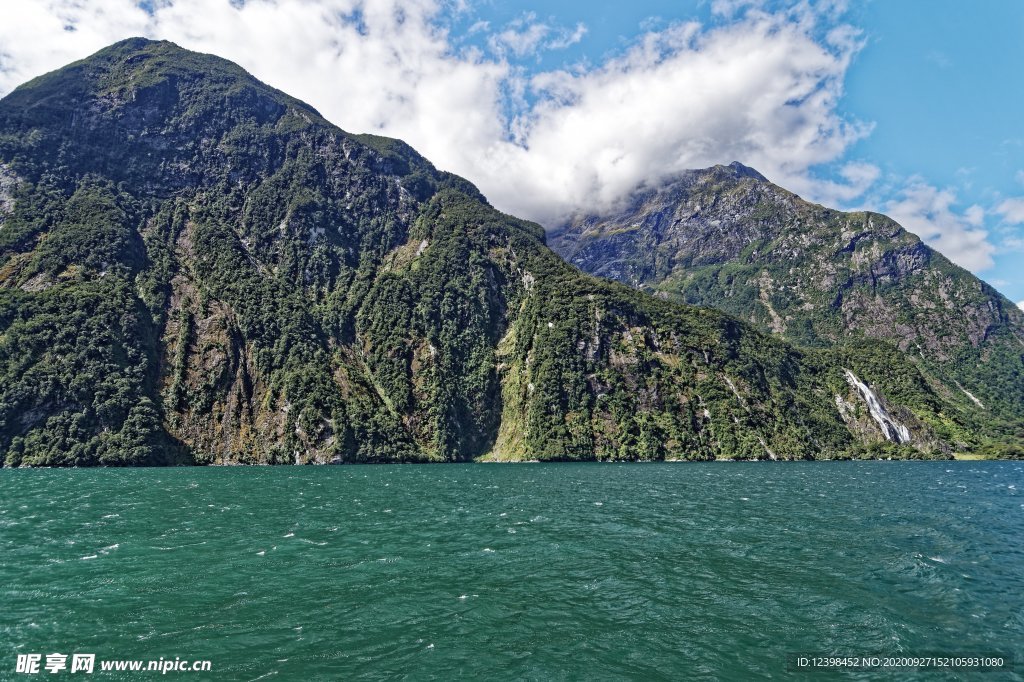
x=290 y=535
x=91 y=556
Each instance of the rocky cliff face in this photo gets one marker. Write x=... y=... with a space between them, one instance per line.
x=195 y=267
x=728 y=238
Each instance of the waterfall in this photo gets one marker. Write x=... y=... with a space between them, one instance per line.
x=892 y=429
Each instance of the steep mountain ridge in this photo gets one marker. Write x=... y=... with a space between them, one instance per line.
x=728 y=238
x=195 y=267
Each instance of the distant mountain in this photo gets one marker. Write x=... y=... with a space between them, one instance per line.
x=726 y=237
x=195 y=267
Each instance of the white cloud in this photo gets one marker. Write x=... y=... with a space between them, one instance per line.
x=1012 y=210
x=730 y=8
x=859 y=176
x=760 y=91
x=522 y=36
x=526 y=36
x=975 y=216
x=761 y=88
x=1021 y=305
x=566 y=38
x=39 y=36
x=927 y=212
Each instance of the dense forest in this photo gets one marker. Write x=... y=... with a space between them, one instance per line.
x=197 y=268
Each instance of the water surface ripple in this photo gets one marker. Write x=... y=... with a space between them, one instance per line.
x=561 y=571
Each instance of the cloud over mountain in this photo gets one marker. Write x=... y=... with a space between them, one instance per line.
x=760 y=87
x=928 y=212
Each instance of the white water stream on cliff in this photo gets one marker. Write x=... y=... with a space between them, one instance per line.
x=891 y=427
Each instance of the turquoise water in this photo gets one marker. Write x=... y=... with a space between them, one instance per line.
x=537 y=571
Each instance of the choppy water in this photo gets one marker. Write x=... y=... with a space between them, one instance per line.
x=656 y=571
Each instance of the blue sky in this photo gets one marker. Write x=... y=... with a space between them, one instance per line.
x=907 y=107
x=944 y=84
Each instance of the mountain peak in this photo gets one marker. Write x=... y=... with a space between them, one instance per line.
x=146 y=110
x=726 y=237
x=117 y=74
x=139 y=44
x=741 y=171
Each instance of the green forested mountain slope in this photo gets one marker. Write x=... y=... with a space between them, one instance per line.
x=728 y=238
x=195 y=267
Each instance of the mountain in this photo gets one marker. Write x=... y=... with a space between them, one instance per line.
x=198 y=268
x=727 y=237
